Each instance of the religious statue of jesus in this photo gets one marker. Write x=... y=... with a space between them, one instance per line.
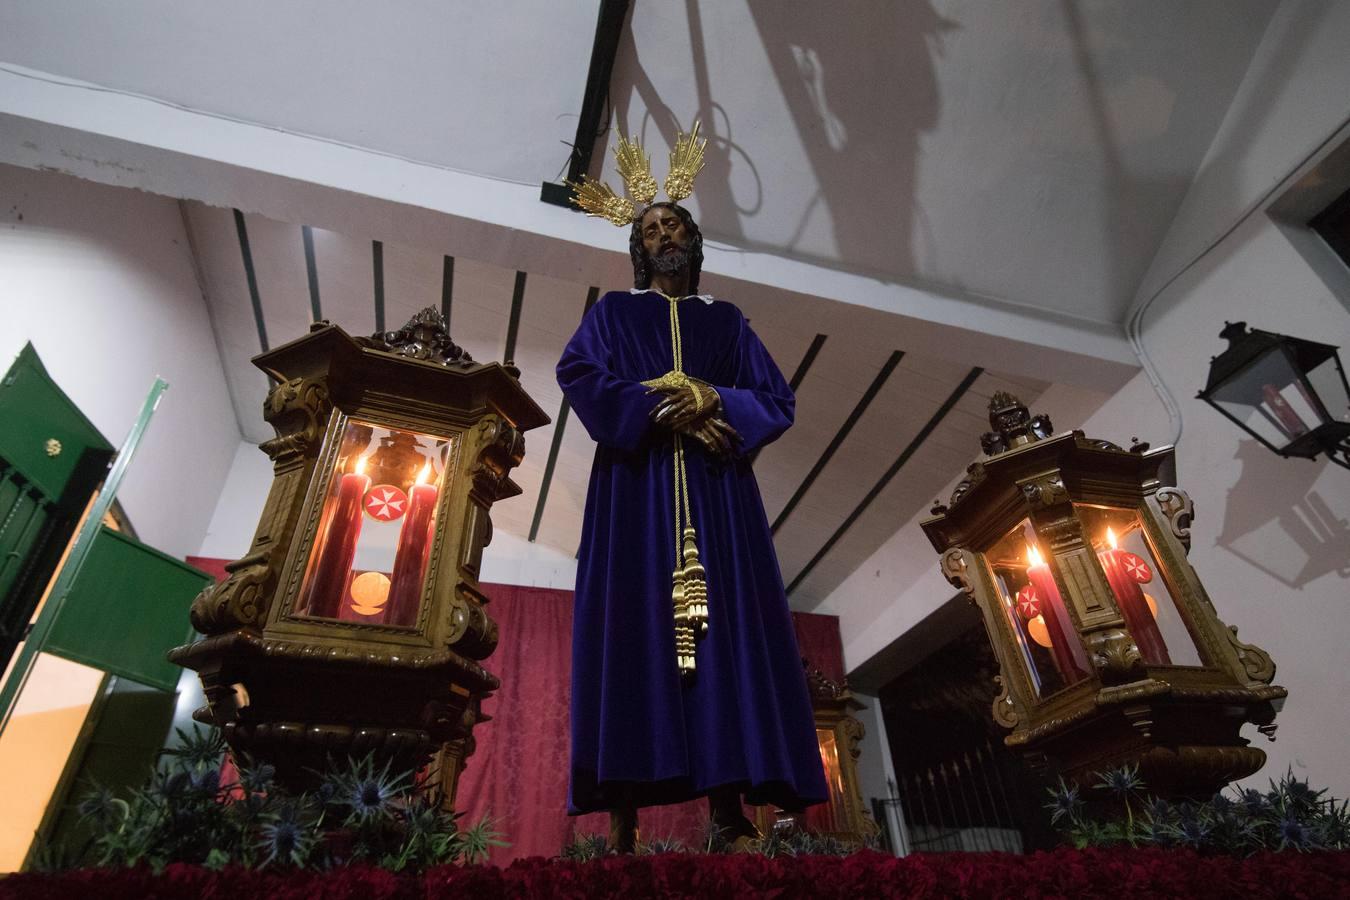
x=686 y=678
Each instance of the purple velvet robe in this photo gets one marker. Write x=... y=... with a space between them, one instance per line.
x=744 y=719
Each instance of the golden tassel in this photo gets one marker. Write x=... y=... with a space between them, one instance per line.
x=684 y=632
x=695 y=587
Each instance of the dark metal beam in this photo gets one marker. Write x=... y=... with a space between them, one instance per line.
x=558 y=428
x=802 y=367
x=252 y=278
x=868 y=396
x=377 y=265
x=885 y=479
x=513 y=324
x=595 y=99
x=311 y=272
x=447 y=288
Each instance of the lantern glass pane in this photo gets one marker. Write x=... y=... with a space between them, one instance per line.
x=831 y=816
x=1140 y=585
x=1269 y=399
x=368 y=560
x=1327 y=381
x=1038 y=622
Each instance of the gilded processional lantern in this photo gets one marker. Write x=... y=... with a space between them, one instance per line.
x=355 y=623
x=1109 y=649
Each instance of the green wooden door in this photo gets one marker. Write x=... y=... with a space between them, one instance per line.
x=51 y=459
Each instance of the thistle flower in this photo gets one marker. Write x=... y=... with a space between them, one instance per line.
x=1064 y=801
x=258 y=779
x=1158 y=810
x=1121 y=781
x=1296 y=834
x=368 y=794
x=1254 y=801
x=1193 y=832
x=197 y=749
x=286 y=839
x=207 y=782
x=102 y=807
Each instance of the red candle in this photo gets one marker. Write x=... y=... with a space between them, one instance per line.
x=333 y=569
x=1065 y=649
x=1130 y=598
x=410 y=559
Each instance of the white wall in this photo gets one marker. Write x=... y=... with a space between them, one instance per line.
x=1271 y=539
x=101 y=281
x=507 y=560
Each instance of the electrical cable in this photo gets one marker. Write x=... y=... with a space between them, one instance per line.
x=1134 y=323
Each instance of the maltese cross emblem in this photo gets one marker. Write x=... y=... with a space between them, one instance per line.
x=386 y=503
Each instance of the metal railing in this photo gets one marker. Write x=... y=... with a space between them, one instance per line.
x=959 y=804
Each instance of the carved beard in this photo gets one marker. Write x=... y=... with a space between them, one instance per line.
x=670 y=263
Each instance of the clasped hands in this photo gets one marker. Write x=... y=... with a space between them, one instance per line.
x=694 y=409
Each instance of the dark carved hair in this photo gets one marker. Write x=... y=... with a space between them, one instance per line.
x=642 y=267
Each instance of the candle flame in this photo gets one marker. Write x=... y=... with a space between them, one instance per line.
x=360 y=467
x=425 y=475
x=1111 y=538
x=1034 y=556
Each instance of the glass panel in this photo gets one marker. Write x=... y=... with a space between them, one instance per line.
x=1270 y=400
x=829 y=816
x=1140 y=586
x=1328 y=380
x=375 y=532
x=1046 y=639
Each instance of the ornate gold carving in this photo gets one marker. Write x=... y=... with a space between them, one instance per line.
x=1180 y=512
x=1051 y=726
x=472 y=631
x=1088 y=589
x=298 y=409
x=596 y=198
x=686 y=161
x=1255 y=662
x=1005 y=711
x=1128 y=693
x=1232 y=695
x=502 y=448
x=1013 y=425
x=1114 y=654
x=425 y=337
x=635 y=168
x=955 y=570
x=239 y=600
x=974 y=475
x=1044 y=491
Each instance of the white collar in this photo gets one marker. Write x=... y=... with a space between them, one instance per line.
x=706 y=298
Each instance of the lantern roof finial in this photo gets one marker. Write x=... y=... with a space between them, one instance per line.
x=1012 y=424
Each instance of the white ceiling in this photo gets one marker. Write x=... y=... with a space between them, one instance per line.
x=1033 y=152
x=847 y=363
x=488 y=88
x=974 y=158
x=1027 y=154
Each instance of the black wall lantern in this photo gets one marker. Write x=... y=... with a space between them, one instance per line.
x=1288 y=393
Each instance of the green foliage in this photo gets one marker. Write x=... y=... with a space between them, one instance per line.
x=183 y=813
x=1289 y=816
x=798 y=842
x=666 y=844
x=585 y=847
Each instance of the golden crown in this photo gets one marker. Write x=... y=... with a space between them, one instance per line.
x=596 y=198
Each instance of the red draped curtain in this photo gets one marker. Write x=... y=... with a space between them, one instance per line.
x=518 y=772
